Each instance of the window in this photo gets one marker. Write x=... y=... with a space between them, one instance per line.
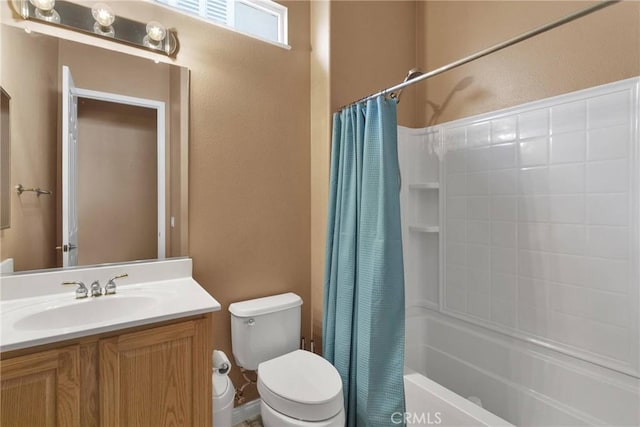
x=265 y=19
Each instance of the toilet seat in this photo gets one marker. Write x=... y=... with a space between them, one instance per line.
x=301 y=385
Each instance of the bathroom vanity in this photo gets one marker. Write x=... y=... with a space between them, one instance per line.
x=145 y=366
x=147 y=376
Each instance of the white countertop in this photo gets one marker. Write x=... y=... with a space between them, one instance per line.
x=35 y=319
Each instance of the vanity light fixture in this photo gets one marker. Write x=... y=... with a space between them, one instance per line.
x=45 y=10
x=100 y=20
x=104 y=17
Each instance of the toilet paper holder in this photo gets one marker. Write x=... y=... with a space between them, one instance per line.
x=221 y=363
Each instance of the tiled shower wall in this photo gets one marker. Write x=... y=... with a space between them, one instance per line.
x=540 y=223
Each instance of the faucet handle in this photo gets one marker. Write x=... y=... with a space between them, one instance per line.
x=81 y=291
x=96 y=290
x=110 y=287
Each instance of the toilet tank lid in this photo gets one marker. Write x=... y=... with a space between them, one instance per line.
x=258 y=306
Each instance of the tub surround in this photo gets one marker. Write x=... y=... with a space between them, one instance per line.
x=547 y=193
x=526 y=294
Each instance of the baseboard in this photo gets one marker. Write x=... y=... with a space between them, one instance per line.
x=245 y=412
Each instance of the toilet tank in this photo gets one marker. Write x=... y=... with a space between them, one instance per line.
x=264 y=328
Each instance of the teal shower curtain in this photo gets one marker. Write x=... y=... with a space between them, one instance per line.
x=363 y=323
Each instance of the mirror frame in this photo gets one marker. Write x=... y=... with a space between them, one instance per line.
x=5 y=159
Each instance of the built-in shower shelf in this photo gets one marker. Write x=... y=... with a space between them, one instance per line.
x=424 y=228
x=424 y=186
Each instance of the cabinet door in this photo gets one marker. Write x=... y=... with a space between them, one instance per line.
x=41 y=389
x=157 y=377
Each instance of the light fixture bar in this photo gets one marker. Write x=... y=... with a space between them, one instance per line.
x=80 y=18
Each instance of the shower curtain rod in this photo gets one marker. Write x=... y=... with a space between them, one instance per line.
x=490 y=50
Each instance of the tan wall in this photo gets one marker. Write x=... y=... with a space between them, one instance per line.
x=31 y=239
x=373 y=45
x=117 y=183
x=363 y=46
x=5 y=160
x=597 y=49
x=249 y=203
x=249 y=217
x=320 y=155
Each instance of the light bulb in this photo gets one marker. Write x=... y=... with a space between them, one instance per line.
x=43 y=5
x=156 y=31
x=45 y=10
x=103 y=14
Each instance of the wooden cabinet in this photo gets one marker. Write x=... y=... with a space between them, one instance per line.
x=158 y=376
x=149 y=377
x=41 y=389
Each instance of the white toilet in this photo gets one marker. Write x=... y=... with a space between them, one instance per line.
x=297 y=388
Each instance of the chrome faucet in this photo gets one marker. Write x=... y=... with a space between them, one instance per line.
x=110 y=287
x=96 y=290
x=81 y=291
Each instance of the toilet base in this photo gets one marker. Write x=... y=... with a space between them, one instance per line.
x=272 y=418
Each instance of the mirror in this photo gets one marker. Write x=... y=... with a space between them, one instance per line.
x=99 y=149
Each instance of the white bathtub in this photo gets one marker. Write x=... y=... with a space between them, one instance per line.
x=520 y=382
x=428 y=403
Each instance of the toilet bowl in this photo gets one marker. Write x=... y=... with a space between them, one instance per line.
x=297 y=388
x=300 y=389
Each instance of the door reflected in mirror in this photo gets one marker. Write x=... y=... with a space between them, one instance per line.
x=118 y=177
x=109 y=142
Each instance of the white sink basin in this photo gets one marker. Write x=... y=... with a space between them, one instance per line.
x=43 y=318
x=84 y=312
